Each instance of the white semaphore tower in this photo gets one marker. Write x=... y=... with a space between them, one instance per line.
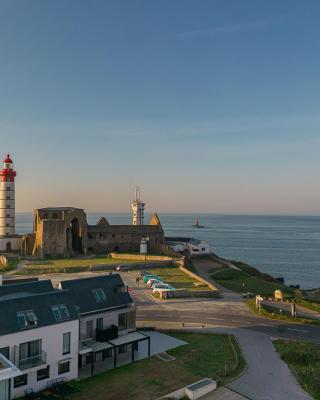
x=137 y=207
x=8 y=239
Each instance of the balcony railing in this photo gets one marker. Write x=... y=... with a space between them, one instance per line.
x=103 y=335
x=30 y=362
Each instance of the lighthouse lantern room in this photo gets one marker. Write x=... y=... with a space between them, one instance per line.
x=9 y=241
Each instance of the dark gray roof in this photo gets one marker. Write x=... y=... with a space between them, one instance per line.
x=81 y=291
x=177 y=239
x=25 y=289
x=41 y=305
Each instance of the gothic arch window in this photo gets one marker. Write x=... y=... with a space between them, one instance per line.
x=8 y=246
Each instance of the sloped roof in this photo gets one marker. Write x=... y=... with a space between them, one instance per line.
x=154 y=220
x=81 y=291
x=41 y=305
x=103 y=222
x=25 y=289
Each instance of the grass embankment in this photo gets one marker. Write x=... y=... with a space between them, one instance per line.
x=72 y=264
x=304 y=360
x=249 y=280
x=205 y=355
x=178 y=279
x=311 y=305
x=279 y=314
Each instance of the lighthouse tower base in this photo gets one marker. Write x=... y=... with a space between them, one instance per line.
x=10 y=243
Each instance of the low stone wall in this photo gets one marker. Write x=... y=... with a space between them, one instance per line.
x=140 y=257
x=189 y=293
x=198 y=278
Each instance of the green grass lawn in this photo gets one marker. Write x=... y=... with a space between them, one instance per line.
x=243 y=282
x=178 y=279
x=304 y=359
x=205 y=355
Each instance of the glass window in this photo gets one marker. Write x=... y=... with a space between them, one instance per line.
x=99 y=295
x=64 y=311
x=5 y=352
x=99 y=323
x=43 y=373
x=89 y=329
x=30 y=349
x=60 y=312
x=64 y=367
x=56 y=313
x=22 y=320
x=66 y=343
x=122 y=321
x=31 y=317
x=21 y=380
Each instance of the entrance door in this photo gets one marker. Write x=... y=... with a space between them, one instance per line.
x=5 y=390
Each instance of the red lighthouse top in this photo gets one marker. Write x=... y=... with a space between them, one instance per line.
x=7 y=174
x=7 y=160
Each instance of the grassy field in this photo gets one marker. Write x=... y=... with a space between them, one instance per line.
x=205 y=355
x=284 y=315
x=304 y=359
x=178 y=279
x=244 y=282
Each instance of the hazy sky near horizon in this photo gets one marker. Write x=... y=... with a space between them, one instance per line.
x=207 y=105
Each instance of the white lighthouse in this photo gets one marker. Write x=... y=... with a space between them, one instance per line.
x=8 y=239
x=137 y=207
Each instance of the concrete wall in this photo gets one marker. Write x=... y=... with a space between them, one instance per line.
x=52 y=339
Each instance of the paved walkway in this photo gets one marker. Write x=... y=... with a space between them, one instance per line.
x=267 y=377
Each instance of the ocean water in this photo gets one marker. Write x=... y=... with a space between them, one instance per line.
x=286 y=246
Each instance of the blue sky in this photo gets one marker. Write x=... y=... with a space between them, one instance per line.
x=207 y=105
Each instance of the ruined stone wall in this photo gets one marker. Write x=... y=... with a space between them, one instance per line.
x=123 y=238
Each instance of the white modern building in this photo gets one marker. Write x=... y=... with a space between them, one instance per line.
x=51 y=335
x=9 y=240
x=192 y=246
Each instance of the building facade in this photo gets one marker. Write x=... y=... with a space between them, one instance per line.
x=64 y=232
x=50 y=335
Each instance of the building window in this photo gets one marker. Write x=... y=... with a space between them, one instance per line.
x=5 y=352
x=43 y=373
x=60 y=312
x=89 y=329
x=7 y=224
x=8 y=188
x=99 y=295
x=99 y=323
x=8 y=215
x=122 y=321
x=8 y=206
x=21 y=380
x=122 y=349
x=66 y=343
x=63 y=367
x=27 y=319
x=30 y=349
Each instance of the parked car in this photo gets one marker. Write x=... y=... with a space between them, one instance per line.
x=152 y=281
x=151 y=276
x=161 y=290
x=124 y=267
x=161 y=285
